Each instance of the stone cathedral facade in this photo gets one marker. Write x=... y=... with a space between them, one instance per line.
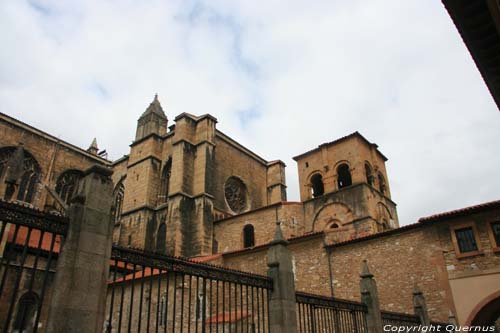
x=189 y=189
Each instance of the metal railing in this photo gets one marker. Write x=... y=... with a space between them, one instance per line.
x=30 y=241
x=399 y=319
x=327 y=314
x=150 y=292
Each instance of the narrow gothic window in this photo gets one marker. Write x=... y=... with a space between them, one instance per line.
x=381 y=183
x=317 y=185
x=118 y=194
x=248 y=236
x=369 y=175
x=343 y=176
x=466 y=240
x=67 y=184
x=165 y=181
x=161 y=238
x=26 y=312
x=30 y=174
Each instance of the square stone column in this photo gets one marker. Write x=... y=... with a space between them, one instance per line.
x=79 y=288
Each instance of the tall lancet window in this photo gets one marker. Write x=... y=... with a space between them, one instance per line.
x=29 y=174
x=165 y=181
x=116 y=208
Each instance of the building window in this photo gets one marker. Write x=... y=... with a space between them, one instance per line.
x=165 y=181
x=248 y=236
x=29 y=176
x=317 y=185
x=381 y=183
x=161 y=238
x=67 y=184
x=369 y=174
x=26 y=312
x=116 y=208
x=466 y=240
x=235 y=192
x=495 y=229
x=343 y=176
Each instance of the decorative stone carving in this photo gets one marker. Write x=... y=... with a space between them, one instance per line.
x=236 y=194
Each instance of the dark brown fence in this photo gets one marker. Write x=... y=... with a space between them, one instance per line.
x=399 y=319
x=150 y=292
x=30 y=241
x=327 y=314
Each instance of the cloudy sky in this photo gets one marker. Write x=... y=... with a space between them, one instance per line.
x=280 y=76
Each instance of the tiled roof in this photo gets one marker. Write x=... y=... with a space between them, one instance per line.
x=462 y=211
x=340 y=140
x=228 y=317
x=34 y=239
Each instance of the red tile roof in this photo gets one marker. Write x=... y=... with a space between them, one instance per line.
x=462 y=211
x=34 y=239
x=228 y=317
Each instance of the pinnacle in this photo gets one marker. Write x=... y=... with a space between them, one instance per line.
x=154 y=108
x=365 y=271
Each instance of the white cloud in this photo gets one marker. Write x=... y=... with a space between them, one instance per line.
x=281 y=78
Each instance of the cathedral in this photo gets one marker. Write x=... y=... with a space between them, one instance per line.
x=187 y=189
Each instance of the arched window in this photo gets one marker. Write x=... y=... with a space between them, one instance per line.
x=248 y=236
x=381 y=183
x=343 y=176
x=116 y=208
x=333 y=225
x=26 y=312
x=165 y=181
x=369 y=174
x=317 y=185
x=30 y=174
x=161 y=237
x=67 y=184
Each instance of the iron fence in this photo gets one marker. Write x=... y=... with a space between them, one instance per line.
x=399 y=319
x=327 y=314
x=150 y=292
x=30 y=241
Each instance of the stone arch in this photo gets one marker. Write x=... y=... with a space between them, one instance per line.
x=248 y=236
x=486 y=312
x=381 y=183
x=30 y=175
x=67 y=184
x=370 y=178
x=118 y=195
x=336 y=212
x=165 y=181
x=27 y=308
x=344 y=176
x=317 y=184
x=161 y=238
x=384 y=216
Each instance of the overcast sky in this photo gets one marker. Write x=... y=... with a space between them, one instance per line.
x=281 y=77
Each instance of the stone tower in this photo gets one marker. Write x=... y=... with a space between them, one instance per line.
x=344 y=183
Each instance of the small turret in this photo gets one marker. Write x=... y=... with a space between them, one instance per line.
x=152 y=121
x=93 y=149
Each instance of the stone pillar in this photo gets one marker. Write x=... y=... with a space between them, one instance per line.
x=452 y=319
x=369 y=297
x=79 y=288
x=282 y=306
x=420 y=307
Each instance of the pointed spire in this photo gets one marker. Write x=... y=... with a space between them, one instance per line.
x=154 y=107
x=93 y=149
x=365 y=271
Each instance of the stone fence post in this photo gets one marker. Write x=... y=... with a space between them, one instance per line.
x=79 y=288
x=420 y=307
x=369 y=297
x=282 y=306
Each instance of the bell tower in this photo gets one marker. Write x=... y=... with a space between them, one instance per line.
x=344 y=183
